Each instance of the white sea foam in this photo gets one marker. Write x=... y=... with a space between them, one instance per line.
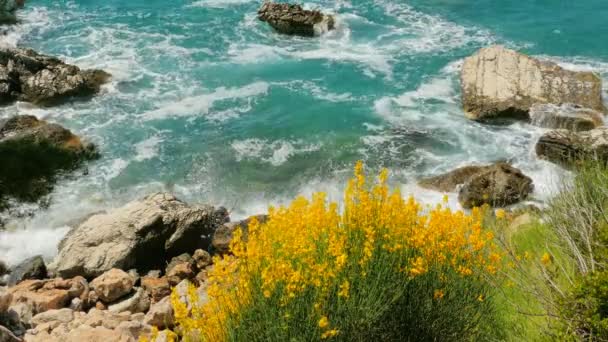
x=219 y=3
x=148 y=148
x=273 y=152
x=202 y=104
x=24 y=243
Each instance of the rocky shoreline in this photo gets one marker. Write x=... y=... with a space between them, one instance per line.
x=114 y=272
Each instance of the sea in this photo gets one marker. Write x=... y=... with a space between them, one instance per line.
x=209 y=103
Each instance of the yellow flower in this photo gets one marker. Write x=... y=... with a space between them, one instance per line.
x=500 y=214
x=481 y=297
x=344 y=289
x=546 y=259
x=329 y=333
x=323 y=322
x=438 y=294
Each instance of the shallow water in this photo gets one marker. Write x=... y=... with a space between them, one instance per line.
x=211 y=104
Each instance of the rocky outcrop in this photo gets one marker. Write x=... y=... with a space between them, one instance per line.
x=499 y=82
x=498 y=185
x=223 y=235
x=566 y=148
x=112 y=285
x=26 y=75
x=294 y=20
x=8 y=8
x=33 y=153
x=141 y=235
x=570 y=117
x=32 y=268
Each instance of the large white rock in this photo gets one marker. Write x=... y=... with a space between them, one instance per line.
x=497 y=81
x=143 y=235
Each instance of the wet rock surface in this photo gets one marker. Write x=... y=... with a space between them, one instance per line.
x=294 y=20
x=26 y=75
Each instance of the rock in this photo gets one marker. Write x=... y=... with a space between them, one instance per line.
x=500 y=185
x=567 y=148
x=26 y=75
x=180 y=272
x=201 y=259
x=566 y=116
x=61 y=315
x=81 y=333
x=223 y=235
x=77 y=304
x=154 y=274
x=8 y=9
x=134 y=329
x=137 y=302
x=158 y=288
x=160 y=314
x=180 y=259
x=294 y=20
x=34 y=152
x=3 y=268
x=450 y=181
x=499 y=82
x=112 y=285
x=5 y=299
x=39 y=299
x=142 y=235
x=32 y=268
x=7 y=336
x=21 y=312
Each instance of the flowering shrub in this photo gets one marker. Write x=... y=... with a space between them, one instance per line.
x=382 y=268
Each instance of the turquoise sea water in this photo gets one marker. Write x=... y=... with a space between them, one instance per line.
x=211 y=104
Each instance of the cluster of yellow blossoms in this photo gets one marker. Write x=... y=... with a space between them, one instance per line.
x=312 y=244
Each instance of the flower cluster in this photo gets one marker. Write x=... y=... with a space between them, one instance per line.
x=312 y=248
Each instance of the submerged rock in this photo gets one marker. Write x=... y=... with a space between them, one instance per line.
x=565 y=147
x=571 y=117
x=142 y=235
x=498 y=185
x=26 y=75
x=33 y=152
x=294 y=20
x=499 y=82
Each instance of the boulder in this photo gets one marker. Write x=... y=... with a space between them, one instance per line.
x=33 y=152
x=3 y=268
x=180 y=272
x=5 y=299
x=79 y=334
x=201 y=259
x=32 y=268
x=142 y=235
x=62 y=315
x=8 y=9
x=498 y=185
x=499 y=82
x=139 y=301
x=565 y=147
x=160 y=314
x=7 y=336
x=223 y=235
x=26 y=75
x=567 y=116
x=158 y=288
x=112 y=285
x=294 y=20
x=39 y=299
